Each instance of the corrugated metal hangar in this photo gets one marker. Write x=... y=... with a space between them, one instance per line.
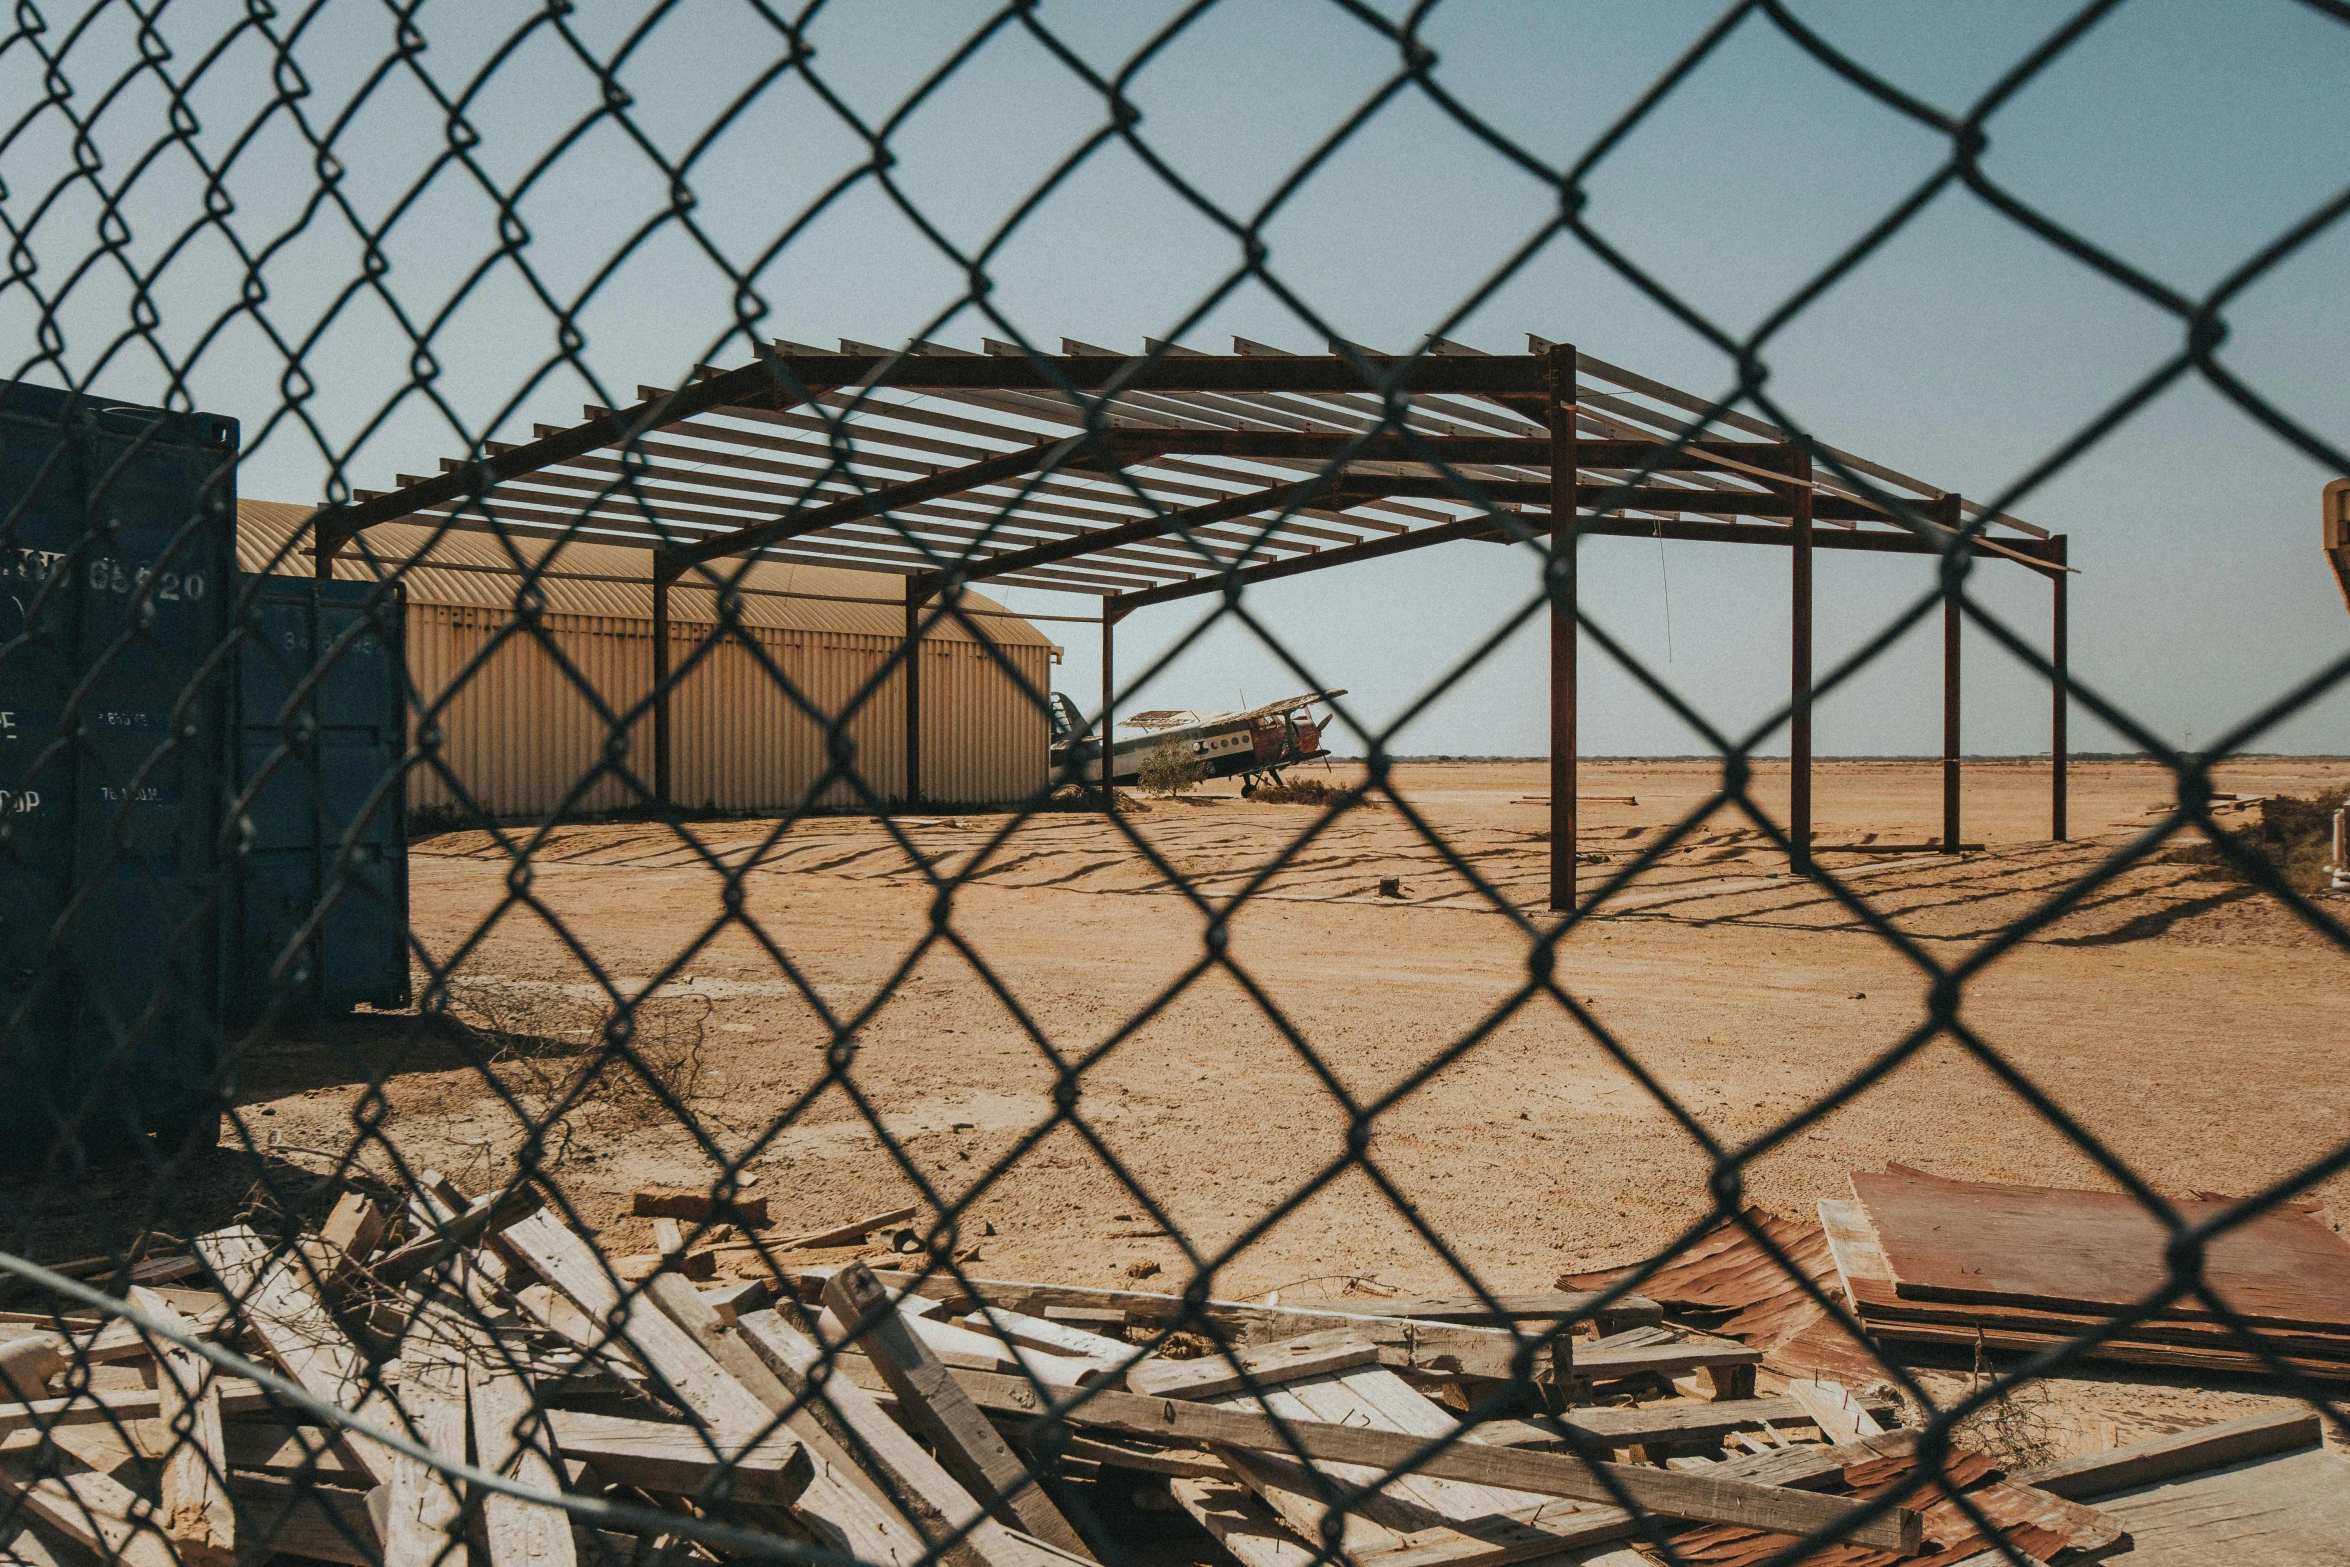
x=520 y=733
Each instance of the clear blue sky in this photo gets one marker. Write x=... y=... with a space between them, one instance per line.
x=2180 y=135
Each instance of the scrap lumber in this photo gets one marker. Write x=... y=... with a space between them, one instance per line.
x=1433 y=1348
x=1510 y=1468
x=2289 y=1509
x=1285 y=1360
x=1741 y=1292
x=843 y=1513
x=198 y=1517
x=698 y=1204
x=1833 y=1410
x=967 y=1349
x=277 y=1299
x=1547 y=1307
x=95 y=1407
x=1414 y=1515
x=1865 y=1276
x=1661 y=1352
x=680 y=1460
x=510 y=1439
x=292 y=1517
x=2057 y=1250
x=349 y=1237
x=918 y=1483
x=94 y=1511
x=1050 y=1335
x=848 y=1234
x=443 y=1239
x=2179 y=1453
x=936 y=1405
x=416 y=1510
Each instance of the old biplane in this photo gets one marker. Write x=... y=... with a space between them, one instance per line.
x=1252 y=746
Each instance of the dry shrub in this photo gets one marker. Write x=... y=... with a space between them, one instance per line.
x=619 y=1068
x=2294 y=836
x=2017 y=1429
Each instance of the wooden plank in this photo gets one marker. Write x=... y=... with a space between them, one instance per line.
x=1632 y=1353
x=237 y=1397
x=918 y=1483
x=680 y=1459
x=417 y=1509
x=2179 y=1453
x=699 y=1204
x=349 y=1237
x=1839 y=1417
x=1544 y=1307
x=1699 y=1497
x=838 y=1445
x=1059 y=1338
x=848 y=1234
x=2101 y=1251
x=964 y=1349
x=937 y=1406
x=2288 y=1510
x=1242 y=1524
x=198 y=1516
x=1286 y=1360
x=326 y=1523
x=1436 y=1348
x=510 y=1440
x=277 y=1299
x=842 y=1513
x=95 y=1512
x=1415 y=1518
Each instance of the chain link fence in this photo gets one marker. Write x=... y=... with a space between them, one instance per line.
x=402 y=1173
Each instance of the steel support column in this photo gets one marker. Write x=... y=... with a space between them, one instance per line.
x=913 y=689
x=1799 y=674
x=2059 y=695
x=1559 y=405
x=1951 y=621
x=664 y=573
x=1109 y=692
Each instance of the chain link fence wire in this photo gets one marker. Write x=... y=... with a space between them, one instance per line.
x=419 y=1329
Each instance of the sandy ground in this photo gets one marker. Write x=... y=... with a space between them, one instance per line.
x=1212 y=1056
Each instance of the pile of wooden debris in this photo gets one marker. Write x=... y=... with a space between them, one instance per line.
x=899 y=1416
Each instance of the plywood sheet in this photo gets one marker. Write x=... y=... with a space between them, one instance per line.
x=2292 y=1511
x=2053 y=1249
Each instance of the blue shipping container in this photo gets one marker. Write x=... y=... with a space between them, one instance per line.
x=117 y=551
x=320 y=854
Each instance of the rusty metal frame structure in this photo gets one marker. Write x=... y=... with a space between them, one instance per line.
x=1146 y=479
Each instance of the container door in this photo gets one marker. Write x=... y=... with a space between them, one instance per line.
x=322 y=906
x=120 y=522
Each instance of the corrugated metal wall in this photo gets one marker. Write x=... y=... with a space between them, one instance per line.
x=521 y=735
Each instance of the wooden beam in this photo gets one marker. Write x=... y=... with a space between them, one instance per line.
x=95 y=1511
x=1552 y=1308
x=937 y=1407
x=1667 y=1492
x=915 y=1481
x=1285 y=1360
x=845 y=1514
x=679 y=1460
x=2178 y=1453
x=198 y=1516
x=2060 y=692
x=278 y=1301
x=511 y=1439
x=417 y=1508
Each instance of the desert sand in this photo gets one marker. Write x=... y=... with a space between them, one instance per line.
x=1216 y=992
